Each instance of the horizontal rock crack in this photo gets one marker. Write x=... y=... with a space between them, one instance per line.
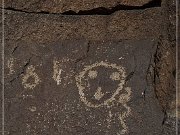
x=96 y=11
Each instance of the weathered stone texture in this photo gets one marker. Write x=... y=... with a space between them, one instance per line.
x=47 y=28
x=60 y=6
x=61 y=69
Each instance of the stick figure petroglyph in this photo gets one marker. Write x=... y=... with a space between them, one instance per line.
x=10 y=64
x=100 y=85
x=57 y=72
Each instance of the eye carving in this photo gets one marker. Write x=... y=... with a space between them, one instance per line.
x=92 y=74
x=115 y=76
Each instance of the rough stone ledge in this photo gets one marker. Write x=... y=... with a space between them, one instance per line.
x=44 y=28
x=79 y=6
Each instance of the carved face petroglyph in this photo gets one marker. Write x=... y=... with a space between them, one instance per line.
x=102 y=83
x=99 y=83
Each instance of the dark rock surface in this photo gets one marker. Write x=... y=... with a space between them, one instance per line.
x=89 y=74
x=46 y=94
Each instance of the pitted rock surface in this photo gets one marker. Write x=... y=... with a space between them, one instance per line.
x=69 y=70
x=44 y=83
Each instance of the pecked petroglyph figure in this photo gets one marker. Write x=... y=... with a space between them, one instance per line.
x=30 y=72
x=101 y=85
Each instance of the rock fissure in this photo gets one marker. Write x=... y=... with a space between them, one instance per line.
x=95 y=11
x=22 y=71
x=111 y=10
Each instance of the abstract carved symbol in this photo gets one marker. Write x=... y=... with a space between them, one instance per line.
x=100 y=84
x=30 y=73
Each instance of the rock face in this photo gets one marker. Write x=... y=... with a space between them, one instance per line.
x=87 y=74
x=60 y=6
x=47 y=28
x=83 y=87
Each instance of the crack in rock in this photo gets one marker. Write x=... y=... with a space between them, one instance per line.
x=94 y=11
x=111 y=10
x=22 y=71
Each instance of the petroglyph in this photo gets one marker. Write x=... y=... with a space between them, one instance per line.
x=115 y=76
x=118 y=74
x=32 y=108
x=98 y=95
x=57 y=72
x=10 y=64
x=30 y=74
x=81 y=85
x=123 y=99
x=92 y=74
x=109 y=119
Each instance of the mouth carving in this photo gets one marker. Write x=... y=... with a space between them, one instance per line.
x=99 y=94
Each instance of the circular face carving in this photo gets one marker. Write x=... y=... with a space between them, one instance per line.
x=99 y=83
